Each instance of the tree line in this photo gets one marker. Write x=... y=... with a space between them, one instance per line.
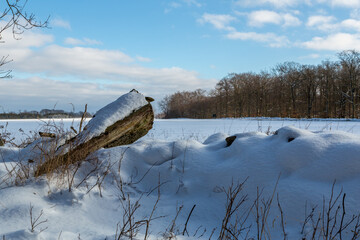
x=44 y=113
x=327 y=90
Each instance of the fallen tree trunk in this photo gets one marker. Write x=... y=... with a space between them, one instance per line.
x=124 y=131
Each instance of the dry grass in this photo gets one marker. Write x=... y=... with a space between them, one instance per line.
x=36 y=149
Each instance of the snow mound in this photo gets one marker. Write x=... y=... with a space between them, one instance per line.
x=318 y=157
x=307 y=162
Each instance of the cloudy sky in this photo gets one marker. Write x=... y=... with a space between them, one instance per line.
x=94 y=51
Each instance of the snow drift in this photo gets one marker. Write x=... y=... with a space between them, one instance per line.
x=189 y=173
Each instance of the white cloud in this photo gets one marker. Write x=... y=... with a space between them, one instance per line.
x=261 y=17
x=290 y=20
x=37 y=93
x=143 y=59
x=58 y=22
x=323 y=23
x=80 y=64
x=319 y=20
x=345 y=3
x=334 y=42
x=294 y=3
x=329 y=24
x=275 y=3
x=219 y=21
x=271 y=39
x=341 y=3
x=92 y=63
x=28 y=39
x=84 y=41
x=351 y=24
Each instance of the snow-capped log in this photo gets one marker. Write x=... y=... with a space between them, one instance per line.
x=119 y=123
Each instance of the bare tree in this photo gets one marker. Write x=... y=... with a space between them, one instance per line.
x=331 y=89
x=224 y=87
x=309 y=86
x=290 y=74
x=350 y=62
x=164 y=105
x=15 y=18
x=327 y=74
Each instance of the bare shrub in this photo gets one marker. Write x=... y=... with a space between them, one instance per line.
x=129 y=227
x=34 y=150
x=172 y=230
x=36 y=221
x=8 y=139
x=330 y=222
x=262 y=208
x=234 y=200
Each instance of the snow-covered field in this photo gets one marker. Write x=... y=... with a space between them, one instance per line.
x=187 y=163
x=195 y=129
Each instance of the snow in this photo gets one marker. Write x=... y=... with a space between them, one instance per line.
x=200 y=130
x=191 y=169
x=111 y=113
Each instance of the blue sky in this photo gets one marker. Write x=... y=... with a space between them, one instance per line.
x=97 y=50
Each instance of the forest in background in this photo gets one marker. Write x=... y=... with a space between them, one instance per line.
x=44 y=113
x=327 y=90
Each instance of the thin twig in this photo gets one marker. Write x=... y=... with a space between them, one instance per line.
x=187 y=220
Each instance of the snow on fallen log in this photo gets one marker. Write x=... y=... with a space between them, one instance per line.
x=119 y=123
x=111 y=113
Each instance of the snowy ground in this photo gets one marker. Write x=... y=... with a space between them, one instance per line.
x=189 y=162
x=185 y=129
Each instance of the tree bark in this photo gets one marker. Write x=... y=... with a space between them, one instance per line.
x=125 y=131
